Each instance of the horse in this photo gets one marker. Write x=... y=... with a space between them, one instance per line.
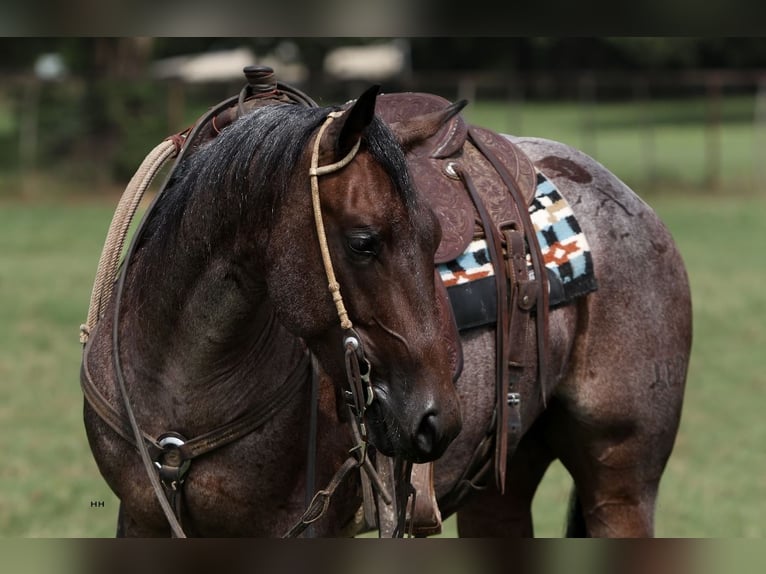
x=222 y=310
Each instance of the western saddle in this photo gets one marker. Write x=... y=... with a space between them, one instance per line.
x=480 y=185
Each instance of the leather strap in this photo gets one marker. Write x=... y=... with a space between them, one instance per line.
x=516 y=297
x=426 y=519
x=518 y=331
x=321 y=500
x=541 y=276
x=501 y=328
x=311 y=454
x=522 y=299
x=471 y=480
x=231 y=431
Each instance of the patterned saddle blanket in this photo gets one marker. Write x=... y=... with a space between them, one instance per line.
x=469 y=278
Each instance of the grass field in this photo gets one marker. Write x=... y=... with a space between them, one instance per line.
x=715 y=485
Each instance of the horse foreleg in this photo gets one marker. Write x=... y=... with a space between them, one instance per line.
x=488 y=513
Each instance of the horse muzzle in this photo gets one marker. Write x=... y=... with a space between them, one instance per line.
x=419 y=430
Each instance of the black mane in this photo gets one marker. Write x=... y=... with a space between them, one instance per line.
x=249 y=166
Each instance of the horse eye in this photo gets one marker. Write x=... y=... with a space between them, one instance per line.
x=363 y=243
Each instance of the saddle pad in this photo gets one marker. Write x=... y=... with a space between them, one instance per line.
x=568 y=261
x=565 y=249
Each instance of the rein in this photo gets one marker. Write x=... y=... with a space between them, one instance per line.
x=99 y=298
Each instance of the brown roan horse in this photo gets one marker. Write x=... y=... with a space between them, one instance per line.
x=223 y=299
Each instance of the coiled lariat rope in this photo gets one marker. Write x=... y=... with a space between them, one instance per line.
x=118 y=229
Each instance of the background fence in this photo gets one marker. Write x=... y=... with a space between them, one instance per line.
x=700 y=130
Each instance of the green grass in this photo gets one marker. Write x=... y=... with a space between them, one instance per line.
x=714 y=485
x=47 y=477
x=717 y=473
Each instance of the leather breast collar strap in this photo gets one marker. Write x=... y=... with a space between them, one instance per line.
x=209 y=441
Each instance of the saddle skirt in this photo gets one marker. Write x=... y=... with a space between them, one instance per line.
x=565 y=250
x=462 y=258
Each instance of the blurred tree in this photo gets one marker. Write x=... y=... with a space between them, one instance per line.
x=111 y=102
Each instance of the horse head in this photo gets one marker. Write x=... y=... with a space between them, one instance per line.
x=380 y=238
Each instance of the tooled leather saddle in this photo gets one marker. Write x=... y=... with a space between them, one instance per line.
x=480 y=185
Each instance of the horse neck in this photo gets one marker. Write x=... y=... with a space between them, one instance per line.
x=208 y=333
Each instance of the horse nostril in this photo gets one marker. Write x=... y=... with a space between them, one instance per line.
x=429 y=438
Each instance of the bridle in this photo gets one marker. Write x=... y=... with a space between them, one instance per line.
x=358 y=369
x=359 y=395
x=166 y=471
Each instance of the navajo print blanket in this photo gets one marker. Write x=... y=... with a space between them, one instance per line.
x=568 y=261
x=564 y=247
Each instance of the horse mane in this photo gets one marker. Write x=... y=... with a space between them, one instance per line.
x=246 y=169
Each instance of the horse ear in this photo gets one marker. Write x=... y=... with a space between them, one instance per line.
x=345 y=131
x=411 y=131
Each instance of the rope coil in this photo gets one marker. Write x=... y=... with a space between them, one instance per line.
x=118 y=230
